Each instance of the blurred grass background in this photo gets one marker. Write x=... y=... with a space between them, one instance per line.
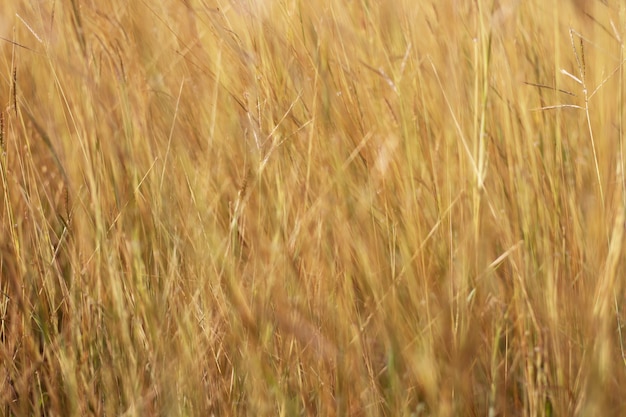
x=338 y=208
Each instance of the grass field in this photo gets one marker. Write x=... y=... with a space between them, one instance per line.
x=321 y=208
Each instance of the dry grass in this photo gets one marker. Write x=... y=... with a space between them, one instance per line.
x=332 y=208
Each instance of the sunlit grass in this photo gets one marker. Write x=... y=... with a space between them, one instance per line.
x=312 y=208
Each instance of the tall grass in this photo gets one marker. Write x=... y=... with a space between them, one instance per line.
x=350 y=208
